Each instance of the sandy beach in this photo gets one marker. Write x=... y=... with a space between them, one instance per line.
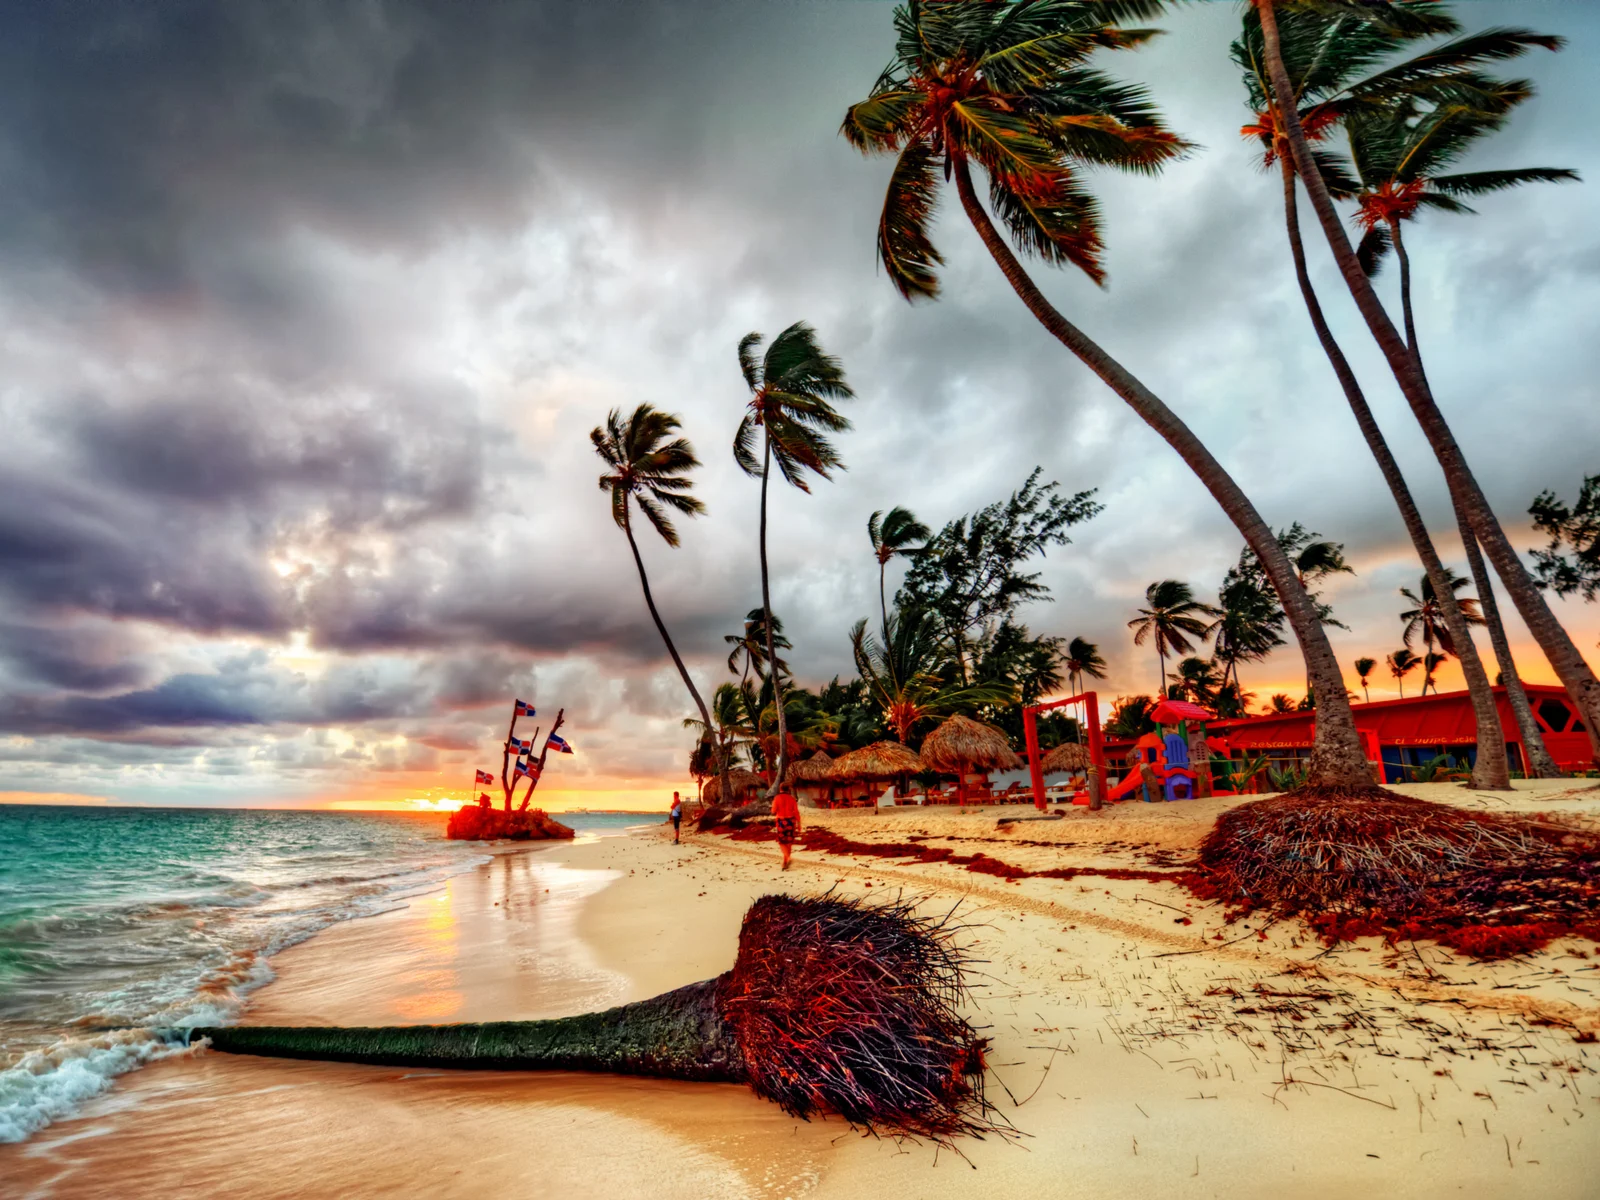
x=1141 y=1046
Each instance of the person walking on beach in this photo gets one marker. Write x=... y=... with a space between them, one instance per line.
x=677 y=817
x=787 y=813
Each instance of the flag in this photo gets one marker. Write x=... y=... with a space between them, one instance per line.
x=559 y=745
x=520 y=746
x=524 y=709
x=484 y=777
x=530 y=769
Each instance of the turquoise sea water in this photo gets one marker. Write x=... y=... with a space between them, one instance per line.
x=118 y=925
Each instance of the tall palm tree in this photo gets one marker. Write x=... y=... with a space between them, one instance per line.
x=1005 y=85
x=729 y=726
x=1401 y=663
x=647 y=468
x=1365 y=667
x=1083 y=660
x=1172 y=616
x=1399 y=159
x=792 y=390
x=891 y=536
x=1328 y=57
x=1558 y=646
x=909 y=677
x=1431 y=662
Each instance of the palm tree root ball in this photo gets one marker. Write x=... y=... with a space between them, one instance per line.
x=832 y=1006
x=1375 y=863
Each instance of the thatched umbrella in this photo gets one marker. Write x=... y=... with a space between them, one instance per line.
x=739 y=779
x=962 y=745
x=1067 y=758
x=813 y=772
x=881 y=760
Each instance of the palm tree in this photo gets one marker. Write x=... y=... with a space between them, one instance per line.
x=893 y=536
x=1005 y=84
x=750 y=646
x=1401 y=663
x=1431 y=662
x=1398 y=159
x=1327 y=55
x=1365 y=667
x=1083 y=659
x=730 y=724
x=1173 y=616
x=907 y=675
x=792 y=387
x=1558 y=646
x=1248 y=629
x=1281 y=704
x=1198 y=680
x=1425 y=617
x=647 y=468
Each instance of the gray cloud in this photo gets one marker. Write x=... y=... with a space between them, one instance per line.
x=309 y=310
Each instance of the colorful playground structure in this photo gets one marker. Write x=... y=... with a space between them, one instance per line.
x=1161 y=766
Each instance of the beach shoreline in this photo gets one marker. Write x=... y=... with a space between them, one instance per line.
x=1140 y=1045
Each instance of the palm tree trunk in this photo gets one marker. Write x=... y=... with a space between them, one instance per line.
x=883 y=601
x=1558 y=646
x=1336 y=758
x=650 y=603
x=1539 y=763
x=1161 y=660
x=1490 y=770
x=766 y=607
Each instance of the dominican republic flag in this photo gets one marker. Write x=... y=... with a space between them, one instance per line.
x=530 y=769
x=521 y=747
x=558 y=744
x=484 y=777
x=524 y=709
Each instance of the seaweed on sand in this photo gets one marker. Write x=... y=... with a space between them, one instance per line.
x=1378 y=863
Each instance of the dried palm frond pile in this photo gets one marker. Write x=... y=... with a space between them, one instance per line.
x=832 y=1006
x=1357 y=864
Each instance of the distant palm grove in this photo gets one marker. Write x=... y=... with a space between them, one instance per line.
x=1364 y=110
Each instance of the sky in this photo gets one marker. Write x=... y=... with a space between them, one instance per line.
x=306 y=312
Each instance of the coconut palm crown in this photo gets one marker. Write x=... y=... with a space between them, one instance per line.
x=647 y=467
x=1005 y=85
x=1172 y=617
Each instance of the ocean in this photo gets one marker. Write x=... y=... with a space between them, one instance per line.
x=119 y=926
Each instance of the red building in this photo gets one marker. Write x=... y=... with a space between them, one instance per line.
x=1410 y=732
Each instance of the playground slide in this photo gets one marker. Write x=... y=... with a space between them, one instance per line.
x=1128 y=787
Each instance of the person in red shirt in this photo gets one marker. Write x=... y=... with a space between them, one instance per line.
x=787 y=813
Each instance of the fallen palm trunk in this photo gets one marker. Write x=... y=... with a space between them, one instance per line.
x=831 y=1006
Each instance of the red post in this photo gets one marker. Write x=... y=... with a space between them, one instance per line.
x=1030 y=735
x=1097 y=755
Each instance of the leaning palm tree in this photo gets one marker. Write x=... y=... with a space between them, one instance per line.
x=1172 y=616
x=1558 y=646
x=1364 y=667
x=893 y=536
x=1005 y=85
x=647 y=468
x=1401 y=663
x=1083 y=661
x=792 y=390
x=1198 y=680
x=1328 y=56
x=909 y=677
x=1400 y=160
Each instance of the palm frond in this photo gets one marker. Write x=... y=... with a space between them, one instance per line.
x=1059 y=228
x=744 y=446
x=1477 y=183
x=884 y=121
x=1374 y=247
x=749 y=364
x=904 y=246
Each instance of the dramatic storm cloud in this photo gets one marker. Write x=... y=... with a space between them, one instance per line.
x=308 y=310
